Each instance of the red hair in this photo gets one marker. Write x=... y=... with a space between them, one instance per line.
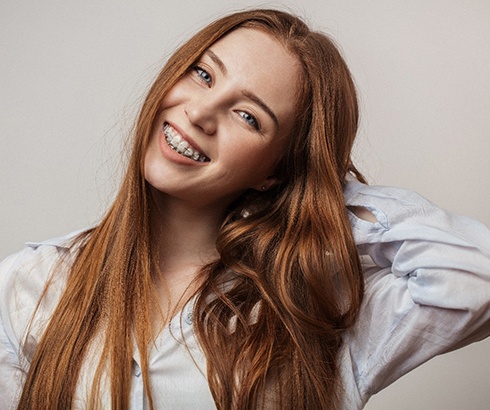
x=296 y=275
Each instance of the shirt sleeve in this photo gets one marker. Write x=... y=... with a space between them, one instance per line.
x=427 y=275
x=23 y=278
x=11 y=373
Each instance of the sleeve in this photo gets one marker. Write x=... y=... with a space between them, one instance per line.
x=11 y=373
x=427 y=284
x=23 y=279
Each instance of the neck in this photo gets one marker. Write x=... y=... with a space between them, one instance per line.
x=185 y=233
x=184 y=236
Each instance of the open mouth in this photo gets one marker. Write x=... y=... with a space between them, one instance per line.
x=181 y=146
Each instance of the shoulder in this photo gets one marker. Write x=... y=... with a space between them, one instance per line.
x=24 y=276
x=388 y=214
x=382 y=200
x=31 y=265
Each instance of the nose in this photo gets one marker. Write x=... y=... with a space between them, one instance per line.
x=202 y=112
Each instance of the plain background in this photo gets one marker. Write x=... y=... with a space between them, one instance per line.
x=73 y=74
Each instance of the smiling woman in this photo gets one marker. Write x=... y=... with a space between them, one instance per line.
x=244 y=263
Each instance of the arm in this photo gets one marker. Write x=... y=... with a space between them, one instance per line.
x=11 y=373
x=427 y=283
x=23 y=277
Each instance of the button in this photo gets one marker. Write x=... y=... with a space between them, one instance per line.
x=188 y=317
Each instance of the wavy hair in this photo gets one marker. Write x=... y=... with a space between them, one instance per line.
x=286 y=284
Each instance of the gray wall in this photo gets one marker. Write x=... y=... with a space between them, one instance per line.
x=72 y=76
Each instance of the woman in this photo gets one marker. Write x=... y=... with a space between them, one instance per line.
x=243 y=264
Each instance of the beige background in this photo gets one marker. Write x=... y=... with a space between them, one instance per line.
x=72 y=75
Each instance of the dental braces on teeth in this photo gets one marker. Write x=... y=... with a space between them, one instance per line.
x=176 y=142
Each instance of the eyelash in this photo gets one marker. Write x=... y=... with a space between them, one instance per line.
x=250 y=119
x=199 y=72
x=206 y=78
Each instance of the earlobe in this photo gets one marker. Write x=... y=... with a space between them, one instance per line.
x=267 y=184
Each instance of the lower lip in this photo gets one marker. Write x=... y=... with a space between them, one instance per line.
x=173 y=155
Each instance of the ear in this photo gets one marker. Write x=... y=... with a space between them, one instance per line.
x=268 y=183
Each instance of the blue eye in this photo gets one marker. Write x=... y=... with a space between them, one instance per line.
x=250 y=119
x=203 y=75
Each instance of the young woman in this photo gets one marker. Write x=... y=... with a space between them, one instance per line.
x=244 y=263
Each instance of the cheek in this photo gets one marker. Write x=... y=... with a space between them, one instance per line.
x=270 y=155
x=260 y=160
x=175 y=95
x=151 y=160
x=169 y=100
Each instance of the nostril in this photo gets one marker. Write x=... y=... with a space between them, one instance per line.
x=202 y=117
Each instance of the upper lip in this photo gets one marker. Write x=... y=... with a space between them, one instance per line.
x=186 y=137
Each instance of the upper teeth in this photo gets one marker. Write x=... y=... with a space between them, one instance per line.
x=177 y=143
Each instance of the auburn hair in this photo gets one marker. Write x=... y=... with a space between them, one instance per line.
x=289 y=255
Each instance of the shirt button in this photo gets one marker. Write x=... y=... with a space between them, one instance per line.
x=188 y=318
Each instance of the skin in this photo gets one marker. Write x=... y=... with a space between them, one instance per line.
x=235 y=106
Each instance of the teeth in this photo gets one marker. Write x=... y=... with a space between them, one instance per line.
x=182 y=147
x=175 y=141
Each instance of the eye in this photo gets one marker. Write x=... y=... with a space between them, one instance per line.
x=203 y=75
x=249 y=119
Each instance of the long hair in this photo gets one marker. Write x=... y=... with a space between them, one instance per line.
x=288 y=254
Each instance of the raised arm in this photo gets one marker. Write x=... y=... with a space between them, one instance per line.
x=427 y=283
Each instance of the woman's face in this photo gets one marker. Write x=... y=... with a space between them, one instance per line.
x=224 y=125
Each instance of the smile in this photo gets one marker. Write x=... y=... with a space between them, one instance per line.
x=178 y=144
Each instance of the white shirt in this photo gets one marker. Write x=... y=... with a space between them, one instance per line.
x=427 y=276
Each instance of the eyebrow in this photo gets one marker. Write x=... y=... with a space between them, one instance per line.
x=251 y=96
x=217 y=61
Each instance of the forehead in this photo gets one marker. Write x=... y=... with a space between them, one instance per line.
x=260 y=63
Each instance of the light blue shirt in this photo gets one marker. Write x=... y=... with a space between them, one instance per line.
x=427 y=275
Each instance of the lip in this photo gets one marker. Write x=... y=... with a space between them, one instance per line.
x=174 y=156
